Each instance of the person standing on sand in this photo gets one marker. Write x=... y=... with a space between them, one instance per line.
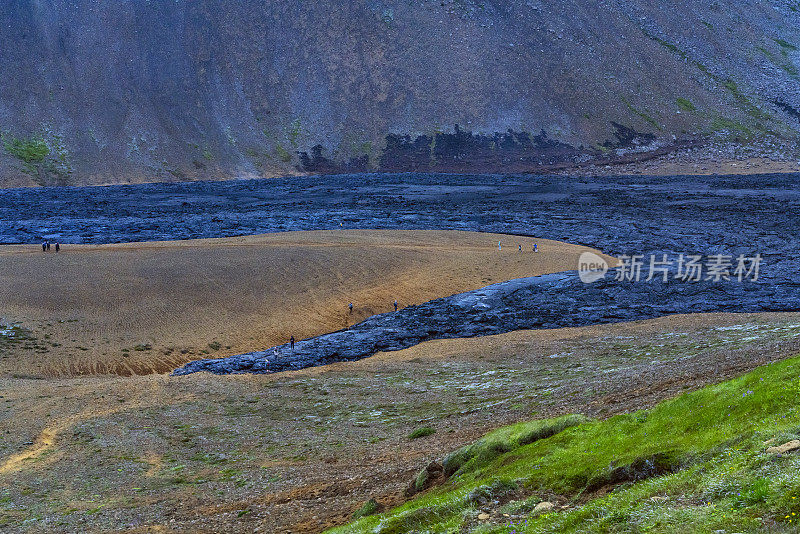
x=520 y=247
x=535 y=247
x=351 y=307
x=291 y=342
x=44 y=246
x=499 y=245
x=58 y=247
x=395 y=304
x=48 y=246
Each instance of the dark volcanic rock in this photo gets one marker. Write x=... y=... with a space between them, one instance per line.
x=642 y=215
x=550 y=301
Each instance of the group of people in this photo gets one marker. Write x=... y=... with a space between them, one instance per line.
x=519 y=246
x=46 y=246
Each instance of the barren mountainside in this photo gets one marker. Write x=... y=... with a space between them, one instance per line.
x=100 y=92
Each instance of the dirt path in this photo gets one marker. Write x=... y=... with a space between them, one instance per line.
x=46 y=439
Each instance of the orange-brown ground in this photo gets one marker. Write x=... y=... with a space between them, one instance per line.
x=140 y=308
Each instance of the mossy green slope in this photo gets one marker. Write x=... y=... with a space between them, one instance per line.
x=696 y=463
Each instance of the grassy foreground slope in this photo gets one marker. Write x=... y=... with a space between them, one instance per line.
x=696 y=463
x=303 y=451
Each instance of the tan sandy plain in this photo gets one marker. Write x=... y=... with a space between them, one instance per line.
x=139 y=308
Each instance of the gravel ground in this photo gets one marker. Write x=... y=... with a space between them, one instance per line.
x=299 y=451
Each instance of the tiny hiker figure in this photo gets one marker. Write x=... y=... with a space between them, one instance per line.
x=291 y=342
x=535 y=247
x=395 y=304
x=58 y=247
x=44 y=246
x=351 y=307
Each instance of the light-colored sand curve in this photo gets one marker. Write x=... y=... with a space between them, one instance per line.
x=139 y=308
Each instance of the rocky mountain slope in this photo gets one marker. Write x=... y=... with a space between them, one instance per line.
x=175 y=89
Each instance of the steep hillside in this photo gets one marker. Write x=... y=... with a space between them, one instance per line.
x=97 y=92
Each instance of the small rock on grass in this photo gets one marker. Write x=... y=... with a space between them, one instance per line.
x=483 y=516
x=542 y=507
x=786 y=447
